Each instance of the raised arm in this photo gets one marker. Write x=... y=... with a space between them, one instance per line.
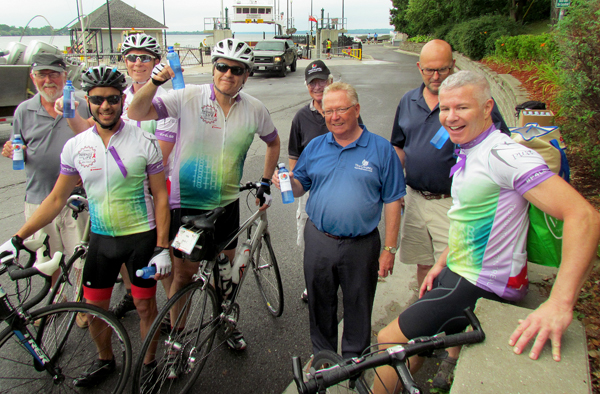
x=581 y=233
x=77 y=123
x=141 y=107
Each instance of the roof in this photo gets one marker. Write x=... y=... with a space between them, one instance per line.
x=122 y=16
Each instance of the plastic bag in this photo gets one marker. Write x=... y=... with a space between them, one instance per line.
x=544 y=238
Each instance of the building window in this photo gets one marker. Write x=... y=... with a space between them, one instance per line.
x=253 y=10
x=246 y=10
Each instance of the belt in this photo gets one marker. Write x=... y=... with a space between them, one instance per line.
x=432 y=196
x=333 y=236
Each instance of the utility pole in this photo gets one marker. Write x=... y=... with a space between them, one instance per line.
x=164 y=23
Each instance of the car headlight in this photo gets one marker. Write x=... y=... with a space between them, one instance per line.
x=277 y=59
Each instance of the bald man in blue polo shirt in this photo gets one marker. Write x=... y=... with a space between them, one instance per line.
x=351 y=173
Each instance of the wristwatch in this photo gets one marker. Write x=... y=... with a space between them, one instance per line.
x=391 y=249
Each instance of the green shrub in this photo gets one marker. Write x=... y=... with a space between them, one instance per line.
x=421 y=38
x=477 y=37
x=442 y=31
x=540 y=48
x=578 y=39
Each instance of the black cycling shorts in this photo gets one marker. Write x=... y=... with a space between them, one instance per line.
x=105 y=257
x=441 y=309
x=226 y=226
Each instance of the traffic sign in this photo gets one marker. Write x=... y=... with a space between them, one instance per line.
x=563 y=3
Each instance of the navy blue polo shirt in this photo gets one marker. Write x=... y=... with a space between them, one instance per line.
x=427 y=168
x=349 y=185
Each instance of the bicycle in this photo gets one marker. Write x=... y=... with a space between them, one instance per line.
x=47 y=357
x=203 y=309
x=68 y=286
x=330 y=373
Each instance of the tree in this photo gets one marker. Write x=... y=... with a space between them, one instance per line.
x=397 y=14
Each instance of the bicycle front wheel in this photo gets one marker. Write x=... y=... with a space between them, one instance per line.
x=180 y=347
x=266 y=271
x=71 y=352
x=326 y=359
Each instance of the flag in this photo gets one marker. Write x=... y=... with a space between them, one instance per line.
x=312 y=19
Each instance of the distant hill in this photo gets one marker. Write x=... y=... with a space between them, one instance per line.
x=6 y=30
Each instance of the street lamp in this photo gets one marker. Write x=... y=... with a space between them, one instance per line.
x=165 y=23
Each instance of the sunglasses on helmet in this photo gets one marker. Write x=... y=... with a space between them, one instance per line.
x=143 y=58
x=99 y=100
x=235 y=70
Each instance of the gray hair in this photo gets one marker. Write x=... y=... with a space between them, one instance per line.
x=342 y=86
x=465 y=78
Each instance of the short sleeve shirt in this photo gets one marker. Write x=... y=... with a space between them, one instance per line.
x=116 y=177
x=488 y=218
x=45 y=138
x=349 y=185
x=306 y=125
x=210 y=149
x=166 y=126
x=427 y=168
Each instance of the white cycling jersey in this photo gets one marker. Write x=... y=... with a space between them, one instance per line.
x=115 y=177
x=166 y=127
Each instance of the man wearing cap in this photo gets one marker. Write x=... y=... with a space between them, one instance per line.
x=44 y=133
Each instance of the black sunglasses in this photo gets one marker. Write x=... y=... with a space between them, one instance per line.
x=235 y=70
x=144 y=58
x=99 y=100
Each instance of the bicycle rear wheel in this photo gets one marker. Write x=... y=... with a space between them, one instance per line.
x=70 y=351
x=326 y=359
x=266 y=271
x=182 y=350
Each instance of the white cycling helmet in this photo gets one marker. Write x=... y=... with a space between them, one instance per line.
x=233 y=49
x=141 y=41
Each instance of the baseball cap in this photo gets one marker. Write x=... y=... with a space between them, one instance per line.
x=48 y=61
x=316 y=69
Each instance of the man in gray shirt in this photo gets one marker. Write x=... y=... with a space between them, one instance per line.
x=44 y=134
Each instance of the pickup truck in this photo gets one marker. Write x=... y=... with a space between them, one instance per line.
x=274 y=56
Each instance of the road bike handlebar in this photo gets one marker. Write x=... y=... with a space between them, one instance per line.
x=395 y=356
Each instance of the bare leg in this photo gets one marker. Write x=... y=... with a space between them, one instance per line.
x=100 y=332
x=147 y=311
x=422 y=271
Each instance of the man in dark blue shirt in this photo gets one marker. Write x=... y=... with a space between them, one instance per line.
x=350 y=174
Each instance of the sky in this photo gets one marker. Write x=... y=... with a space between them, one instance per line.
x=188 y=15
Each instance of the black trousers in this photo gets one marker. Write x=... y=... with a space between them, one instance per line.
x=351 y=263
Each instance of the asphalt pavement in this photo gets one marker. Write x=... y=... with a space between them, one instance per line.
x=381 y=79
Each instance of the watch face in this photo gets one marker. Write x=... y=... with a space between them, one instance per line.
x=391 y=249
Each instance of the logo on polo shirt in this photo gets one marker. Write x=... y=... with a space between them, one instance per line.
x=208 y=114
x=364 y=166
x=87 y=156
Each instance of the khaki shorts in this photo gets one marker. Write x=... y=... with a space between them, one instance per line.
x=425 y=227
x=64 y=231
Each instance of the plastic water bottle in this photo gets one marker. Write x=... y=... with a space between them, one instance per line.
x=224 y=274
x=287 y=195
x=18 y=156
x=440 y=138
x=146 y=272
x=69 y=100
x=175 y=64
x=240 y=262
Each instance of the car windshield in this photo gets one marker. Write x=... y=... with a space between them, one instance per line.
x=269 y=46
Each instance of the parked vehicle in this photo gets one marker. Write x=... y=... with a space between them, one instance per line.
x=275 y=56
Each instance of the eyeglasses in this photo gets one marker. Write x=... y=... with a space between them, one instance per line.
x=51 y=75
x=235 y=70
x=339 y=111
x=430 y=71
x=317 y=83
x=99 y=100
x=143 y=58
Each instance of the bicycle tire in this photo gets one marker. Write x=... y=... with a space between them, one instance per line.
x=267 y=275
x=69 y=290
x=194 y=340
x=327 y=358
x=71 y=354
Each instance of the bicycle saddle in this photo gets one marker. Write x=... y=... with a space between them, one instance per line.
x=205 y=221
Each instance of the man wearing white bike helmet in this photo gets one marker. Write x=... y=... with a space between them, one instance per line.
x=217 y=126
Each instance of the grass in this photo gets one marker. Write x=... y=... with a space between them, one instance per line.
x=537 y=27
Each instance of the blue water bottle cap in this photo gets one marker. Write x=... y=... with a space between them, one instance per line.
x=170 y=48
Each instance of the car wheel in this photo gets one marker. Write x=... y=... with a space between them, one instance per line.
x=293 y=66
x=251 y=73
x=282 y=72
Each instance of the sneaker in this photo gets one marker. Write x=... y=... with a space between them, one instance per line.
x=174 y=364
x=124 y=306
x=149 y=378
x=236 y=340
x=82 y=321
x=304 y=296
x=97 y=372
x=445 y=374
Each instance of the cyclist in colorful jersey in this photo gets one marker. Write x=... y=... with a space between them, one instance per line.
x=141 y=53
x=217 y=126
x=494 y=181
x=118 y=164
